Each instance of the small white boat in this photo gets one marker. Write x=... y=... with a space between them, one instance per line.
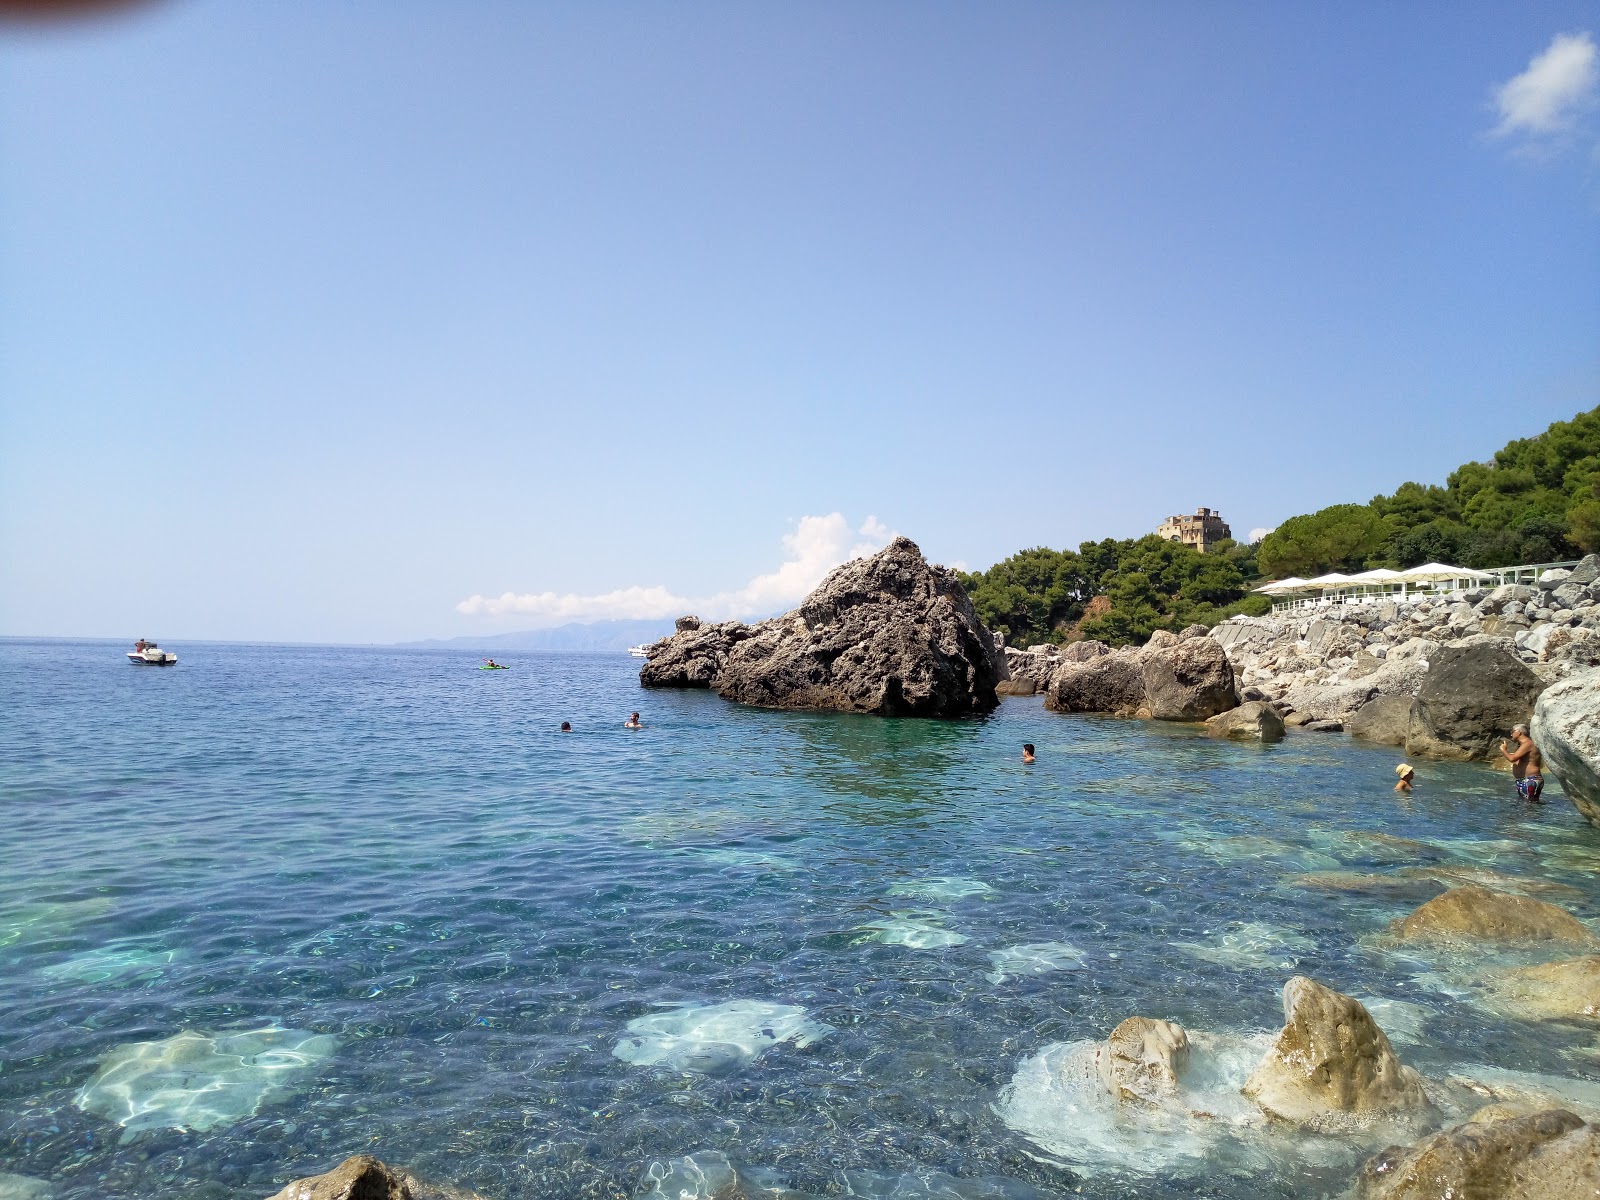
x=639 y=651
x=148 y=654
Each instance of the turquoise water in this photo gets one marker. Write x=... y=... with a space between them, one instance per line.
x=279 y=905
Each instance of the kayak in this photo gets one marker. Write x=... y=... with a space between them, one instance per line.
x=496 y=667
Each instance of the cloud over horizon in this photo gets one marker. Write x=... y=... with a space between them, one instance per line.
x=1558 y=84
x=816 y=545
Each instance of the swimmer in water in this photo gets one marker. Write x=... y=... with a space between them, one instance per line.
x=1027 y=752
x=1405 y=772
x=566 y=727
x=633 y=722
x=1527 y=764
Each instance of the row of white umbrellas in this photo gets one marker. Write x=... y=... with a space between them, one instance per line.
x=1427 y=573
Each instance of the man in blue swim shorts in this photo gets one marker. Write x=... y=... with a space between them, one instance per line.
x=1527 y=766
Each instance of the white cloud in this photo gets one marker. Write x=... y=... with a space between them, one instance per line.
x=1257 y=534
x=817 y=545
x=1558 y=83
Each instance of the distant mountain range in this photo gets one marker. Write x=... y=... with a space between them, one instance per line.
x=597 y=635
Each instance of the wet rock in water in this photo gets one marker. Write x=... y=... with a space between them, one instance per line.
x=917 y=930
x=200 y=1081
x=23 y=1187
x=1392 y=885
x=1189 y=681
x=941 y=887
x=1476 y=913
x=1141 y=1059
x=1035 y=958
x=716 y=1037
x=890 y=635
x=1254 y=720
x=1567 y=732
x=1331 y=1060
x=1383 y=719
x=1469 y=699
x=360 y=1177
x=1251 y=945
x=1111 y=682
x=1550 y=1155
x=1565 y=990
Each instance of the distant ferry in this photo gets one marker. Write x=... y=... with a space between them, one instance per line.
x=639 y=651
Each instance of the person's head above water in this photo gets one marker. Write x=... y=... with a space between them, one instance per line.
x=566 y=727
x=1027 y=751
x=1405 y=771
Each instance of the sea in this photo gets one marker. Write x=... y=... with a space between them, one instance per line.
x=278 y=905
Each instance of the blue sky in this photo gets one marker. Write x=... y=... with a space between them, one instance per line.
x=319 y=321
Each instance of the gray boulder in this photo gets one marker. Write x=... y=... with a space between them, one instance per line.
x=1254 y=720
x=1104 y=683
x=1586 y=572
x=1500 y=1154
x=1554 y=578
x=1469 y=700
x=889 y=635
x=1566 y=728
x=1189 y=680
x=1480 y=914
x=1383 y=719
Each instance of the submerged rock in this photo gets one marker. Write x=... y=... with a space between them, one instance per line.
x=23 y=1187
x=1331 y=1059
x=1469 y=700
x=362 y=1177
x=1550 y=1155
x=890 y=635
x=1035 y=958
x=1565 y=990
x=1255 y=720
x=1566 y=729
x=716 y=1037
x=1480 y=914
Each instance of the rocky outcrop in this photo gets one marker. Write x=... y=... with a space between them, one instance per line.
x=1568 y=990
x=1383 y=719
x=362 y=1177
x=1566 y=728
x=1478 y=914
x=1331 y=1058
x=1469 y=701
x=1254 y=720
x=1175 y=677
x=1028 y=671
x=889 y=635
x=1549 y=1155
x=1141 y=1059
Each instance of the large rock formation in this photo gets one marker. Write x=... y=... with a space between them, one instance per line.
x=1549 y=1155
x=1331 y=1058
x=1252 y=721
x=1175 y=677
x=1471 y=698
x=1566 y=728
x=1478 y=914
x=362 y=1177
x=1383 y=719
x=888 y=634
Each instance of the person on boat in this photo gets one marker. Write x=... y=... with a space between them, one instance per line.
x=1405 y=771
x=1527 y=764
x=141 y=646
x=492 y=664
x=1027 y=752
x=633 y=722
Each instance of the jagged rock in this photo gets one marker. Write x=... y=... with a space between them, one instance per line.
x=889 y=635
x=1550 y=1155
x=362 y=1177
x=1141 y=1059
x=1106 y=683
x=1480 y=914
x=1383 y=719
x=1553 y=578
x=1471 y=698
x=1586 y=572
x=1567 y=731
x=1188 y=680
x=1254 y=720
x=1028 y=671
x=686 y=623
x=1331 y=1058
x=1565 y=990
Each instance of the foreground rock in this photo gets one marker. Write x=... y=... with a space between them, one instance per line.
x=1480 y=914
x=1331 y=1058
x=1471 y=698
x=1550 y=1155
x=1174 y=678
x=1566 y=728
x=1141 y=1059
x=1384 y=719
x=1566 y=990
x=889 y=634
x=362 y=1177
x=1255 y=721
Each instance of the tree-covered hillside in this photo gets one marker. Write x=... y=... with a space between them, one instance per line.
x=1537 y=500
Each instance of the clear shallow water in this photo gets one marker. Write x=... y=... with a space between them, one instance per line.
x=360 y=899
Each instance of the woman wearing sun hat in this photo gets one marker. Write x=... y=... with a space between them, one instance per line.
x=1405 y=772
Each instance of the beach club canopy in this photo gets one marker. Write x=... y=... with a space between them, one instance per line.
x=1331 y=579
x=1433 y=572
x=1376 y=575
x=1283 y=585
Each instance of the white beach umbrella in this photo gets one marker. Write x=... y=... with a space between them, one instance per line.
x=1376 y=575
x=1435 y=572
x=1331 y=579
x=1283 y=585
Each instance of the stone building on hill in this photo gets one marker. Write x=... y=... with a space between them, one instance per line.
x=1202 y=530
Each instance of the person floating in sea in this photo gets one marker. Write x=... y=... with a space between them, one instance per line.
x=1027 y=752
x=1405 y=772
x=566 y=727
x=633 y=722
x=1527 y=764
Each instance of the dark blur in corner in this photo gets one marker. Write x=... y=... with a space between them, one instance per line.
x=61 y=11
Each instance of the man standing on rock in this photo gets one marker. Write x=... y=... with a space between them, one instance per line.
x=1527 y=766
